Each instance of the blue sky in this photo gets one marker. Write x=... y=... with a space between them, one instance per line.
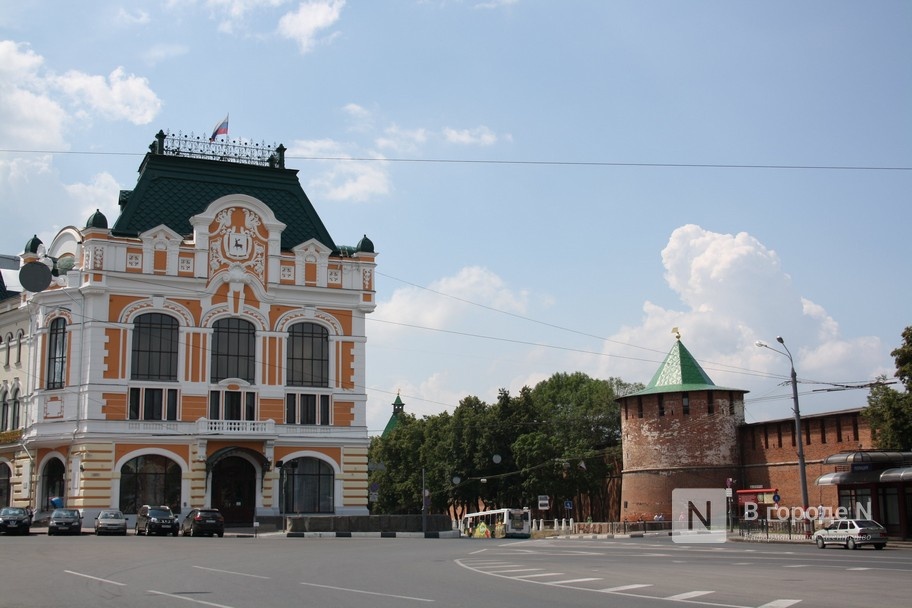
x=551 y=186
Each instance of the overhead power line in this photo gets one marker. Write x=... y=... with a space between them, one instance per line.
x=533 y=162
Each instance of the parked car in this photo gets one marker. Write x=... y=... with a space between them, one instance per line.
x=156 y=520
x=15 y=520
x=852 y=533
x=65 y=521
x=203 y=521
x=111 y=521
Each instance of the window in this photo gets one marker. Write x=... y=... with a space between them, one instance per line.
x=4 y=414
x=307 y=409
x=233 y=350
x=8 y=345
x=232 y=405
x=839 y=429
x=307 y=486
x=15 y=423
x=661 y=404
x=20 y=337
x=685 y=403
x=823 y=437
x=639 y=407
x=153 y=404
x=155 y=339
x=56 y=360
x=307 y=361
x=150 y=480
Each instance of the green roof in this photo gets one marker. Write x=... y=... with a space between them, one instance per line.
x=171 y=189
x=680 y=373
x=398 y=408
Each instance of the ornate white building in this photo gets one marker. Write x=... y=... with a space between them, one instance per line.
x=208 y=349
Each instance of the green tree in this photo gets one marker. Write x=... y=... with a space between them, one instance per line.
x=889 y=411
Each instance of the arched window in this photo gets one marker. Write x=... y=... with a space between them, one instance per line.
x=20 y=338
x=155 y=339
x=7 y=347
x=233 y=350
x=15 y=422
x=4 y=411
x=150 y=480
x=56 y=359
x=307 y=486
x=308 y=355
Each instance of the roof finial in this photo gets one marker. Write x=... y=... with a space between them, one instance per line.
x=676 y=332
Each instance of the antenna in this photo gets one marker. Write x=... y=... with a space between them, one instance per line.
x=35 y=276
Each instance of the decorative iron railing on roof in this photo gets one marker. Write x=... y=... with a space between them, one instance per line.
x=234 y=151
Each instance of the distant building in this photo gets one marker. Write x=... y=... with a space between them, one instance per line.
x=207 y=349
x=683 y=431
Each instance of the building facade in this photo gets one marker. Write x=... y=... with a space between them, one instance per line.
x=206 y=350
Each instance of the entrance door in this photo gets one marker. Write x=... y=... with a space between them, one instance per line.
x=234 y=490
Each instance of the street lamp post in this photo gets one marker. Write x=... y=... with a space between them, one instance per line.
x=799 y=439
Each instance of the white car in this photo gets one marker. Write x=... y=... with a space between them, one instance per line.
x=852 y=533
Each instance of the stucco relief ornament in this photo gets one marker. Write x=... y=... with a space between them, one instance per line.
x=234 y=245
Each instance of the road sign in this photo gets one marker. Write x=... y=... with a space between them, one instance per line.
x=776 y=498
x=568 y=504
x=543 y=501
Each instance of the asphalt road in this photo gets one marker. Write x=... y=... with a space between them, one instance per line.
x=275 y=571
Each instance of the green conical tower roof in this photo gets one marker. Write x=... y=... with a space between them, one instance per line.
x=398 y=407
x=680 y=373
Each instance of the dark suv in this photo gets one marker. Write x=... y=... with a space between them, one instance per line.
x=203 y=521
x=156 y=520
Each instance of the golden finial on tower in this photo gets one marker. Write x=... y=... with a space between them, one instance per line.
x=676 y=332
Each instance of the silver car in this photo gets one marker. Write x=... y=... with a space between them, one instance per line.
x=852 y=533
x=111 y=521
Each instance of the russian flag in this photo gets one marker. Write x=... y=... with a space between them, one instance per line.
x=221 y=128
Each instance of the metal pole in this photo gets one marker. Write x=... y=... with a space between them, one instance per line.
x=423 y=505
x=799 y=436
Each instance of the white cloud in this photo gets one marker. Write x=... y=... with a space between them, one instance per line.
x=137 y=17
x=479 y=136
x=343 y=180
x=304 y=25
x=101 y=194
x=401 y=140
x=735 y=292
x=120 y=96
x=232 y=13
x=163 y=52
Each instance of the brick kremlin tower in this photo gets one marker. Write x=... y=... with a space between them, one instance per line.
x=681 y=431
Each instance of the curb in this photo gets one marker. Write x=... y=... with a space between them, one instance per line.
x=446 y=534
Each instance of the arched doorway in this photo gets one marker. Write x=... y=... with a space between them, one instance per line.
x=234 y=489
x=54 y=484
x=5 y=475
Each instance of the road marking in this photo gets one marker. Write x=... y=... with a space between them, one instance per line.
x=573 y=580
x=95 y=578
x=780 y=604
x=797 y=566
x=688 y=595
x=188 y=599
x=232 y=572
x=859 y=568
x=540 y=575
x=624 y=588
x=399 y=597
x=517 y=570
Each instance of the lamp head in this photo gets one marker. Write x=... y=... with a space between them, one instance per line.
x=760 y=344
x=780 y=340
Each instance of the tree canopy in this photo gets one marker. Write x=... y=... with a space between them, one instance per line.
x=889 y=411
x=560 y=438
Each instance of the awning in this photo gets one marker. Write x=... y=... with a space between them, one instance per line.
x=842 y=478
x=894 y=475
